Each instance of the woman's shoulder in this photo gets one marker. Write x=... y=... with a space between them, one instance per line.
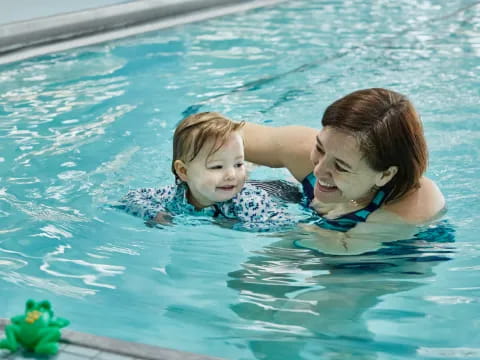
x=420 y=206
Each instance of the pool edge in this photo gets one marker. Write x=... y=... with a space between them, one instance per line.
x=92 y=346
x=25 y=39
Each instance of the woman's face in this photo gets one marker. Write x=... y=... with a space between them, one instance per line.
x=341 y=169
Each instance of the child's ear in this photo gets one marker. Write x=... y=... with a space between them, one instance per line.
x=180 y=170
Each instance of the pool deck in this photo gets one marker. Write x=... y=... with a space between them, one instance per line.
x=77 y=346
x=21 y=10
x=24 y=39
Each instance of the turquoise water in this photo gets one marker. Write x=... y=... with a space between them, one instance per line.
x=77 y=129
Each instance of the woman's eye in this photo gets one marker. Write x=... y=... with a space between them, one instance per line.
x=339 y=168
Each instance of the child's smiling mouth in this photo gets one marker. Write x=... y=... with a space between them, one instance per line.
x=226 y=187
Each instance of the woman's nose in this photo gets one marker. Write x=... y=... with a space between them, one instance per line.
x=321 y=168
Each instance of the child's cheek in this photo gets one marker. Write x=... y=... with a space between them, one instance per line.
x=243 y=177
x=215 y=179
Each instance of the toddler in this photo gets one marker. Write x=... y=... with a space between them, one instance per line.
x=208 y=164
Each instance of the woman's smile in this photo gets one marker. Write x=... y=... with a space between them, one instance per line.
x=325 y=186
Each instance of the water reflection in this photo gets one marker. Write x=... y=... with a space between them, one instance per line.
x=304 y=305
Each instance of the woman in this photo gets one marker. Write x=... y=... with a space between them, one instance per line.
x=362 y=173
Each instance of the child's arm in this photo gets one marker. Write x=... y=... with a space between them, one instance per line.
x=162 y=218
x=258 y=211
x=147 y=203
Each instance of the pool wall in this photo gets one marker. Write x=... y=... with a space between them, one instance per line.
x=76 y=345
x=25 y=39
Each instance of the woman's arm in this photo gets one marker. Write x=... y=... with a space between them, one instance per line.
x=284 y=146
x=363 y=238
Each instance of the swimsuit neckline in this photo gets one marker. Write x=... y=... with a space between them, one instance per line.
x=346 y=221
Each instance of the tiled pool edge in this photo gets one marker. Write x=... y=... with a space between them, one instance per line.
x=90 y=346
x=25 y=39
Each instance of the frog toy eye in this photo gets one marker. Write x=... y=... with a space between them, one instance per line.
x=30 y=304
x=46 y=308
x=45 y=305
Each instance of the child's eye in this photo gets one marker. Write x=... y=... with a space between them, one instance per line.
x=239 y=165
x=216 y=167
x=320 y=150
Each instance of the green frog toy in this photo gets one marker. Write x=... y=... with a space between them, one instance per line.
x=38 y=330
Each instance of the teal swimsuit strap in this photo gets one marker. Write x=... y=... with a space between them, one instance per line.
x=346 y=221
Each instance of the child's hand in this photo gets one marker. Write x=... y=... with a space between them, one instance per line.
x=162 y=218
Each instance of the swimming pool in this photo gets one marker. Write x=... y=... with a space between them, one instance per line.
x=79 y=128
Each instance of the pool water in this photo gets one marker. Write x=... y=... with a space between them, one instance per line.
x=80 y=128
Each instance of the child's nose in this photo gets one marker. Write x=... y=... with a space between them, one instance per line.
x=230 y=173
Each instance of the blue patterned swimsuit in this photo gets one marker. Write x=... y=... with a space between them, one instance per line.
x=347 y=221
x=252 y=206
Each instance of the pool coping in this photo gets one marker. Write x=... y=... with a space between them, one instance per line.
x=25 y=39
x=93 y=346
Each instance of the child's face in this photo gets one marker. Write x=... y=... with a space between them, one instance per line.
x=218 y=177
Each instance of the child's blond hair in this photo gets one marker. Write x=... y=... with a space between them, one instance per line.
x=195 y=130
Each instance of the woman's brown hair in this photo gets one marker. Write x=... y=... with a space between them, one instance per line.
x=389 y=133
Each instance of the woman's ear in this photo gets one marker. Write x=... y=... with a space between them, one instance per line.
x=385 y=176
x=181 y=170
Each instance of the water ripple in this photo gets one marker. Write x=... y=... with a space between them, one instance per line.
x=76 y=268
x=54 y=286
x=451 y=300
x=11 y=263
x=41 y=211
x=449 y=353
x=65 y=141
x=53 y=232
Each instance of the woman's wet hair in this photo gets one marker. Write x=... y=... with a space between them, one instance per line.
x=193 y=132
x=389 y=133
